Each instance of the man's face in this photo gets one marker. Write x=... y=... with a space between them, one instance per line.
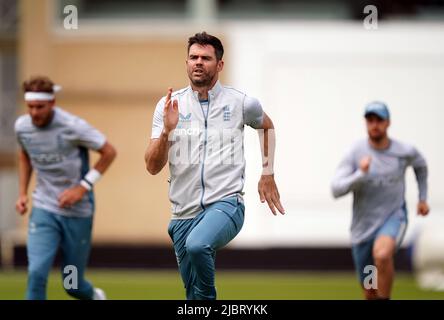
x=376 y=127
x=202 y=66
x=40 y=112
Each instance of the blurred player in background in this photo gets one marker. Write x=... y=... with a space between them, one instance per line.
x=374 y=170
x=55 y=144
x=199 y=130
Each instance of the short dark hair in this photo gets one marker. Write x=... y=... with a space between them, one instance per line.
x=204 y=38
x=38 y=84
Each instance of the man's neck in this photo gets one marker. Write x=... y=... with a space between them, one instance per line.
x=382 y=144
x=203 y=90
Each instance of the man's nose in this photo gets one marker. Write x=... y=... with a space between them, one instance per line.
x=34 y=112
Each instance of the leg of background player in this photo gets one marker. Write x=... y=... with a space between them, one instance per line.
x=43 y=242
x=76 y=244
x=383 y=252
x=370 y=294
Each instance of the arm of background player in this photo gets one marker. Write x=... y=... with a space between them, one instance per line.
x=267 y=188
x=25 y=172
x=72 y=195
x=107 y=155
x=421 y=172
x=346 y=178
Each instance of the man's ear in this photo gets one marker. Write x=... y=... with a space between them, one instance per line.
x=220 y=65
x=52 y=103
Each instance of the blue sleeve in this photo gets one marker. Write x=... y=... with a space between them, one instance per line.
x=419 y=165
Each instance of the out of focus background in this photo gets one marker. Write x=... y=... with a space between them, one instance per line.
x=313 y=65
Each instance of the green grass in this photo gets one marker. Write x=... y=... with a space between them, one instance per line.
x=159 y=285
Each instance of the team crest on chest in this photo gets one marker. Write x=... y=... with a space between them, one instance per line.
x=227 y=113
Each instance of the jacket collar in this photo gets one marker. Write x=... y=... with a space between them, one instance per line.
x=217 y=88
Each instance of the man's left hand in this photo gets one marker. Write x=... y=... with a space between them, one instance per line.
x=268 y=191
x=423 y=208
x=70 y=196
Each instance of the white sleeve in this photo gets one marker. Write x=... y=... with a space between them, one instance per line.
x=158 y=119
x=347 y=176
x=419 y=165
x=86 y=135
x=253 y=113
x=17 y=132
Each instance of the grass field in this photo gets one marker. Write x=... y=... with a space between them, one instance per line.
x=159 y=285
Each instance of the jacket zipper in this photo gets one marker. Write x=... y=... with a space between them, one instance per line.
x=205 y=151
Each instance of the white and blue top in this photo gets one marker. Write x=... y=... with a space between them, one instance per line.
x=206 y=156
x=59 y=155
x=379 y=193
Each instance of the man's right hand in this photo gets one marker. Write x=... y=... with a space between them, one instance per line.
x=364 y=164
x=170 y=113
x=22 y=204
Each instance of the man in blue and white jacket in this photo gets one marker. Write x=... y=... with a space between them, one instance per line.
x=199 y=131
